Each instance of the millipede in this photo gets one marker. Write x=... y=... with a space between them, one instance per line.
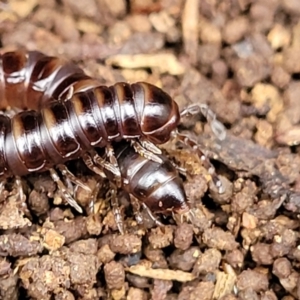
x=155 y=187
x=66 y=115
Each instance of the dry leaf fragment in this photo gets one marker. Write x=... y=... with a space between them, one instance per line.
x=23 y=7
x=163 y=62
x=225 y=282
x=144 y=269
x=190 y=21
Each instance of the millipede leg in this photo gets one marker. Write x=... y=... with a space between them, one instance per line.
x=205 y=161
x=153 y=218
x=21 y=196
x=113 y=161
x=111 y=165
x=180 y=170
x=105 y=164
x=180 y=218
x=64 y=190
x=149 y=146
x=20 y=190
x=217 y=127
x=116 y=209
x=87 y=159
x=91 y=165
x=94 y=195
x=67 y=173
x=2 y=189
x=98 y=169
x=145 y=152
x=136 y=207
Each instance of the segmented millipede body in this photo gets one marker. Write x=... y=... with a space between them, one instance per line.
x=69 y=114
x=73 y=113
x=158 y=185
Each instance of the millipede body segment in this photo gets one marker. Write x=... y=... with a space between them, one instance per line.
x=157 y=185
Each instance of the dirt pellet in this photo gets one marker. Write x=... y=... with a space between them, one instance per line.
x=203 y=290
x=156 y=256
x=235 y=29
x=251 y=70
x=65 y=295
x=114 y=275
x=248 y=294
x=291 y=7
x=235 y=258
x=83 y=268
x=45 y=275
x=72 y=230
x=252 y=279
x=5 y=267
x=160 y=288
x=290 y=96
x=125 y=244
x=161 y=237
x=207 y=262
x=183 y=236
x=138 y=281
x=268 y=295
x=282 y=267
x=93 y=224
x=217 y=238
x=105 y=254
x=52 y=240
x=17 y=245
x=12 y=215
x=38 y=203
x=196 y=188
x=283 y=243
x=136 y=294
x=9 y=287
x=261 y=253
x=184 y=260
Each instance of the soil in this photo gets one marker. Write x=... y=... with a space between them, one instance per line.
x=242 y=59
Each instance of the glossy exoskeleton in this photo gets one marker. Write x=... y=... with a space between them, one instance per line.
x=73 y=113
x=158 y=185
x=155 y=187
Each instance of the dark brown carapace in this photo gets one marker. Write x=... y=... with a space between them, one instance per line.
x=158 y=185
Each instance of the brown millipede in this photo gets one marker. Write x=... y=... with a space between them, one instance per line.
x=72 y=114
x=156 y=187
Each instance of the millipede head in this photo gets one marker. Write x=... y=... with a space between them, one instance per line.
x=159 y=115
x=168 y=198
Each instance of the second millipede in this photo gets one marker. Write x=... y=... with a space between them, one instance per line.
x=68 y=114
x=155 y=187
